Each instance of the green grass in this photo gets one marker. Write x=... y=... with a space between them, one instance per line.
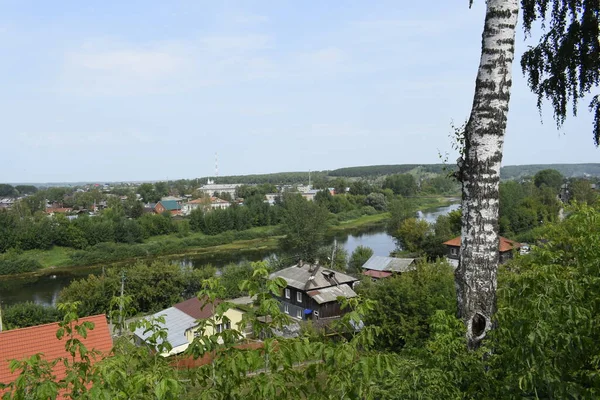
x=60 y=256
x=55 y=257
x=362 y=221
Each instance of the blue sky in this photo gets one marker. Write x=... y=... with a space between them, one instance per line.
x=150 y=90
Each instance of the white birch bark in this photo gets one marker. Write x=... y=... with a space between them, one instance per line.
x=479 y=172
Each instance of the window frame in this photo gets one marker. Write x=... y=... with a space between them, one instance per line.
x=288 y=293
x=299 y=297
x=286 y=308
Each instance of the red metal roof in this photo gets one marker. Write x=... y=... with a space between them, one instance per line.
x=505 y=244
x=20 y=344
x=377 y=274
x=193 y=308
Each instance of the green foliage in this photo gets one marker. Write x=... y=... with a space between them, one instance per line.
x=568 y=170
x=22 y=315
x=412 y=233
x=440 y=184
x=7 y=190
x=547 y=341
x=304 y=224
x=407 y=302
x=581 y=191
x=232 y=275
x=402 y=184
x=152 y=287
x=26 y=189
x=549 y=177
x=340 y=257
x=524 y=206
x=377 y=201
x=400 y=209
x=563 y=67
x=379 y=170
x=17 y=264
x=359 y=257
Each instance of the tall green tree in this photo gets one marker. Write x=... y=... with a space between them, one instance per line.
x=304 y=224
x=359 y=257
x=549 y=177
x=581 y=191
x=402 y=184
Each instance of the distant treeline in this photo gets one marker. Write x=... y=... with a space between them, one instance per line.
x=374 y=171
x=568 y=170
x=380 y=170
x=286 y=178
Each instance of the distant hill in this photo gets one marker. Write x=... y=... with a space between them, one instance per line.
x=377 y=171
x=380 y=170
x=568 y=170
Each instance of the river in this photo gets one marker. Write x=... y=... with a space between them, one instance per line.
x=45 y=289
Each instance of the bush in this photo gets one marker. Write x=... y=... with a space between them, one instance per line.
x=22 y=315
x=17 y=264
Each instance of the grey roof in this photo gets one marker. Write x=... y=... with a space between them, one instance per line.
x=330 y=294
x=176 y=323
x=244 y=300
x=391 y=264
x=310 y=277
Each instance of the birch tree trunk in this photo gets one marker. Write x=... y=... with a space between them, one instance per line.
x=479 y=172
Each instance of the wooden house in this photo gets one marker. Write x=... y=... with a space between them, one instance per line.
x=506 y=248
x=312 y=291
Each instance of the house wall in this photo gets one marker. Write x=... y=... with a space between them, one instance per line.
x=295 y=308
x=159 y=209
x=235 y=317
x=504 y=256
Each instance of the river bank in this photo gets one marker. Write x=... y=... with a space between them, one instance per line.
x=44 y=287
x=61 y=259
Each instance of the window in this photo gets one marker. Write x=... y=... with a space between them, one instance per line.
x=454 y=251
x=299 y=313
x=221 y=327
x=286 y=308
x=287 y=293
x=299 y=297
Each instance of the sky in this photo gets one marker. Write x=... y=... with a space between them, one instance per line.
x=151 y=90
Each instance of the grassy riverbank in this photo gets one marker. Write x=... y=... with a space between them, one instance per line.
x=260 y=238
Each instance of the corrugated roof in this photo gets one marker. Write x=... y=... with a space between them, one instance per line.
x=170 y=205
x=19 y=344
x=330 y=294
x=393 y=264
x=176 y=323
x=504 y=245
x=299 y=276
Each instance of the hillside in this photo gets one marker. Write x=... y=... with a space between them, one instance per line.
x=568 y=170
x=377 y=171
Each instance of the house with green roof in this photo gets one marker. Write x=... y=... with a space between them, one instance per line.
x=172 y=206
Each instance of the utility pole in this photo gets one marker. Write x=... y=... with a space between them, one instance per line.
x=333 y=253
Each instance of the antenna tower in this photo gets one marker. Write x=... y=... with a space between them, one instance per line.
x=216 y=165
